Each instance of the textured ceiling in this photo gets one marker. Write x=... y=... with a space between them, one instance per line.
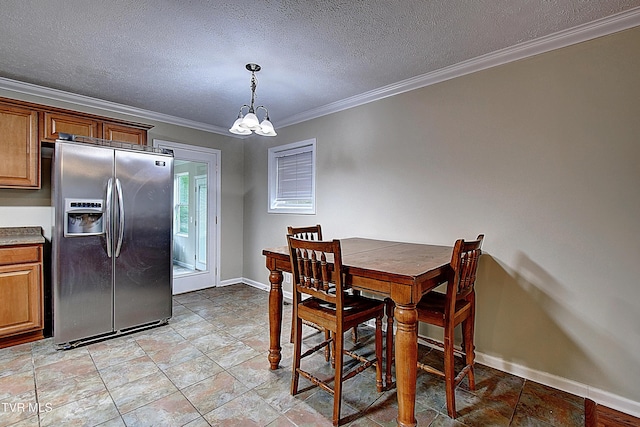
x=186 y=58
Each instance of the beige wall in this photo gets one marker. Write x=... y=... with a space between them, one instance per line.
x=16 y=205
x=543 y=156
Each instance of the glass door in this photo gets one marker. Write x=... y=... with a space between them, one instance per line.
x=195 y=225
x=189 y=217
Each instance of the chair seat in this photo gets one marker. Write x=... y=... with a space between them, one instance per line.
x=356 y=310
x=431 y=308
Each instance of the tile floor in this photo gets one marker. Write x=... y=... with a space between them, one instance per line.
x=209 y=366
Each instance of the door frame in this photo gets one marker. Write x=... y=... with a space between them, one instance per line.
x=211 y=156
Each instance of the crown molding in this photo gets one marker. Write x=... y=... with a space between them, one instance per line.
x=86 y=101
x=602 y=27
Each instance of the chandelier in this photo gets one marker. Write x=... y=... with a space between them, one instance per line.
x=249 y=122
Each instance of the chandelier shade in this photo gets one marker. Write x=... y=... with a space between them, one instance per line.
x=249 y=122
x=266 y=129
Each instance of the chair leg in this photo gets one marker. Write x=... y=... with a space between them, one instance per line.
x=297 y=350
x=327 y=349
x=469 y=350
x=337 y=390
x=379 y=384
x=293 y=320
x=327 y=335
x=390 y=307
x=449 y=372
x=354 y=331
x=332 y=344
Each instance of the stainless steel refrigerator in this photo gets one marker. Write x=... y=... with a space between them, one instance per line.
x=111 y=240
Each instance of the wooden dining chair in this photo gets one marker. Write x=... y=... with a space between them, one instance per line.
x=318 y=274
x=457 y=306
x=311 y=232
x=314 y=232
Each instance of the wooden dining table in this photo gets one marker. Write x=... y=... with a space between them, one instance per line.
x=401 y=271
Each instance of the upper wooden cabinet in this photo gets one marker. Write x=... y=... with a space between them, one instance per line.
x=54 y=123
x=95 y=127
x=20 y=165
x=23 y=125
x=117 y=132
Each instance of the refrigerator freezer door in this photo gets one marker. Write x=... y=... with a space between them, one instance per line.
x=82 y=271
x=143 y=270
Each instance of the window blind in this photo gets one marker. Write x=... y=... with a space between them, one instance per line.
x=295 y=176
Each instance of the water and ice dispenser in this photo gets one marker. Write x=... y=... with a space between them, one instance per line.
x=84 y=217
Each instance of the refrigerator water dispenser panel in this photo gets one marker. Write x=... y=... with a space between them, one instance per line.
x=83 y=217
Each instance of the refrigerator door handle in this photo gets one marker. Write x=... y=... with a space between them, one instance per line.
x=107 y=216
x=120 y=218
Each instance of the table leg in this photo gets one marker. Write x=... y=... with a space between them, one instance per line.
x=275 y=318
x=406 y=317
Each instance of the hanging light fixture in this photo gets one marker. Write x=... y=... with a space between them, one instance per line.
x=249 y=122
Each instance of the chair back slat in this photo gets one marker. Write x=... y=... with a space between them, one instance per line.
x=317 y=268
x=464 y=262
x=325 y=274
x=313 y=232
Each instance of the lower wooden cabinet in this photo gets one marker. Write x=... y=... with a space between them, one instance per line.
x=21 y=293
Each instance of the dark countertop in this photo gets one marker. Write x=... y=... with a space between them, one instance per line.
x=20 y=236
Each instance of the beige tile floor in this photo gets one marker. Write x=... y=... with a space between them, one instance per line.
x=208 y=367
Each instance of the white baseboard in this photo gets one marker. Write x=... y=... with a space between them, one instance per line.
x=601 y=397
x=255 y=284
x=285 y=294
x=613 y=401
x=230 y=282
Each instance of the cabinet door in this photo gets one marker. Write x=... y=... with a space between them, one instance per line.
x=131 y=135
x=20 y=165
x=55 y=123
x=21 y=296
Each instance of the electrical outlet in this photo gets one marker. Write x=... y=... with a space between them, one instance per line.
x=287 y=277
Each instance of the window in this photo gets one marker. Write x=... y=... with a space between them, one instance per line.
x=292 y=178
x=181 y=219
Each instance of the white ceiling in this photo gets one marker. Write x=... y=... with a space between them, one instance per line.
x=184 y=61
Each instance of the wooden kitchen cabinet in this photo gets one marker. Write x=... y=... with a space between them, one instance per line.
x=118 y=132
x=53 y=123
x=23 y=125
x=20 y=165
x=21 y=293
